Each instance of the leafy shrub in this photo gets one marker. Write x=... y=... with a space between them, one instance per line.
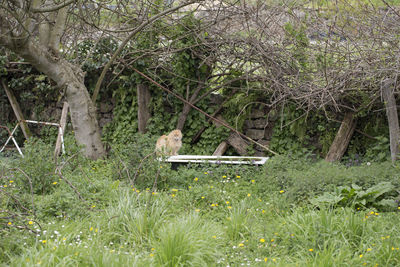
x=38 y=164
x=379 y=197
x=302 y=179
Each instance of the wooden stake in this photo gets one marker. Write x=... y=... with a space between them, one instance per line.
x=392 y=117
x=63 y=123
x=17 y=110
x=342 y=138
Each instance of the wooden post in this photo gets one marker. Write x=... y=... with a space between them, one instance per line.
x=392 y=117
x=17 y=110
x=143 y=95
x=63 y=123
x=221 y=149
x=342 y=138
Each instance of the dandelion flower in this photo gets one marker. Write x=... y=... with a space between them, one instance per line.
x=272 y=240
x=263 y=211
x=9 y=223
x=229 y=207
x=369 y=249
x=91 y=229
x=227 y=202
x=224 y=176
x=253 y=181
x=205 y=172
x=54 y=182
x=44 y=241
x=241 y=245
x=152 y=249
x=93 y=206
x=30 y=222
x=11 y=181
x=311 y=250
x=238 y=176
x=262 y=240
x=361 y=255
x=214 y=236
x=196 y=179
x=282 y=191
x=249 y=195
x=265 y=259
x=173 y=195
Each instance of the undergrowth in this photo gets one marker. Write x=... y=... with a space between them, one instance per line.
x=123 y=211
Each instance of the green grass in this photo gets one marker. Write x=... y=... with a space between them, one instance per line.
x=200 y=216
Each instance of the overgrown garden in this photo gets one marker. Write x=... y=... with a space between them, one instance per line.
x=323 y=76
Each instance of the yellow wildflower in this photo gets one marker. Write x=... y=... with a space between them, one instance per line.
x=262 y=240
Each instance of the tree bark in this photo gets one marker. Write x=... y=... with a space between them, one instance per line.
x=393 y=120
x=143 y=94
x=342 y=139
x=17 y=111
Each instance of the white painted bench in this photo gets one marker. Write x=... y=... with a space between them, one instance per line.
x=216 y=159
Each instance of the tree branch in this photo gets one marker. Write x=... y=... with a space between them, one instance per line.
x=123 y=44
x=52 y=8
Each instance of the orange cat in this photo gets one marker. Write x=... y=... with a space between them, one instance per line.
x=169 y=145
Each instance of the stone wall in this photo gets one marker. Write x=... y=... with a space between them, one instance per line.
x=259 y=127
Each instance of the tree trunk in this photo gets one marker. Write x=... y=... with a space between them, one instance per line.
x=186 y=107
x=342 y=138
x=393 y=120
x=143 y=94
x=70 y=77
x=182 y=118
x=17 y=110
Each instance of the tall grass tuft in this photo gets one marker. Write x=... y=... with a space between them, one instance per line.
x=133 y=219
x=187 y=241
